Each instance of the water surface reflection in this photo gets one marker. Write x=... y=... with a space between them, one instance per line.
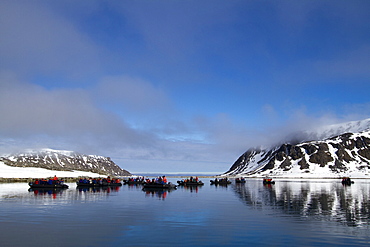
x=289 y=213
x=54 y=193
x=326 y=200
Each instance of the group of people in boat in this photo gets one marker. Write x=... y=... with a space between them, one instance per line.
x=48 y=181
x=223 y=181
x=158 y=180
x=268 y=180
x=190 y=180
x=347 y=181
x=107 y=180
x=136 y=179
x=143 y=180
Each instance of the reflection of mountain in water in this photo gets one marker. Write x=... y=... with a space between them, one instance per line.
x=328 y=200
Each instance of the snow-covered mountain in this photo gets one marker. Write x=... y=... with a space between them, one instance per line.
x=331 y=151
x=64 y=161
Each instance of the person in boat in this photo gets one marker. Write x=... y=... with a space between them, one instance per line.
x=268 y=180
x=55 y=178
x=164 y=180
x=346 y=180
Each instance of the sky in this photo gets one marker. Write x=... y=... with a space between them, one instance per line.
x=178 y=86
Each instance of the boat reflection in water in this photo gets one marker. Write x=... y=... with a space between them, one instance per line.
x=135 y=187
x=156 y=192
x=322 y=200
x=104 y=189
x=191 y=189
x=54 y=193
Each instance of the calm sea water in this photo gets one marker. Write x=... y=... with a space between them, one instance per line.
x=289 y=213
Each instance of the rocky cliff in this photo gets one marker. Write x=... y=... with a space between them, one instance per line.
x=347 y=154
x=65 y=161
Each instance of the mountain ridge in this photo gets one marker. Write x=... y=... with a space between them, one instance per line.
x=61 y=160
x=338 y=155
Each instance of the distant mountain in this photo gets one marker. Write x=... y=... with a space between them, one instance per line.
x=65 y=161
x=331 y=151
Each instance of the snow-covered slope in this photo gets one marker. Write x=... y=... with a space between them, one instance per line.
x=345 y=153
x=56 y=160
x=33 y=172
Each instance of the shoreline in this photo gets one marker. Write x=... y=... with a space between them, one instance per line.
x=74 y=179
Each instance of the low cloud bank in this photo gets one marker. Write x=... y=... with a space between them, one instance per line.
x=71 y=119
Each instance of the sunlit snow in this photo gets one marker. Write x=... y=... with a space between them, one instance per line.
x=31 y=172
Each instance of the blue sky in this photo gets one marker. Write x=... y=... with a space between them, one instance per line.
x=178 y=86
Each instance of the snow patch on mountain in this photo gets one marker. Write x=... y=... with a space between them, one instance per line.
x=33 y=172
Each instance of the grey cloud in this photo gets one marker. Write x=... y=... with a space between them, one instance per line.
x=36 y=39
x=32 y=110
x=175 y=27
x=69 y=119
x=132 y=93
